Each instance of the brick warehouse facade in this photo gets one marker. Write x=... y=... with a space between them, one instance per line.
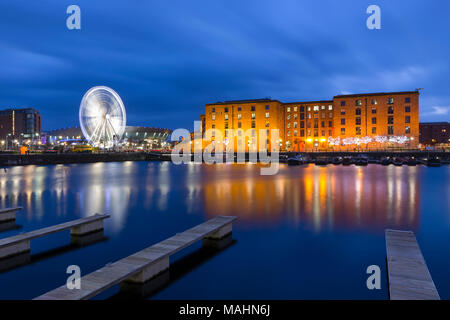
x=368 y=121
x=20 y=123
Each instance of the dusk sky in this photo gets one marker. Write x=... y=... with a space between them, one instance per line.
x=166 y=59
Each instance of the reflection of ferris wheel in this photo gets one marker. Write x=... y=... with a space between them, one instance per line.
x=102 y=117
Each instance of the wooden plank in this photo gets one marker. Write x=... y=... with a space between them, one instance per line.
x=112 y=274
x=408 y=274
x=49 y=230
x=8 y=210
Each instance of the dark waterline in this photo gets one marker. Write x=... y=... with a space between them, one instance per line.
x=306 y=233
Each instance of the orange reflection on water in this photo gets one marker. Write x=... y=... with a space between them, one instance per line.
x=371 y=197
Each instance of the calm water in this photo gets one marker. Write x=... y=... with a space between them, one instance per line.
x=306 y=233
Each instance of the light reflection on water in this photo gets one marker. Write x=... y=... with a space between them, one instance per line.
x=306 y=218
x=321 y=197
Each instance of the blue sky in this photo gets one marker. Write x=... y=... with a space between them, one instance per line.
x=167 y=59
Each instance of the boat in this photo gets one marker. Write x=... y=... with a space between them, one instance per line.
x=361 y=161
x=386 y=161
x=337 y=160
x=398 y=161
x=411 y=161
x=296 y=160
x=346 y=161
x=321 y=161
x=433 y=162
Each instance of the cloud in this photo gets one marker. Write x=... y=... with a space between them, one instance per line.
x=437 y=111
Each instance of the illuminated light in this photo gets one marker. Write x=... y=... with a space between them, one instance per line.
x=309 y=140
x=323 y=139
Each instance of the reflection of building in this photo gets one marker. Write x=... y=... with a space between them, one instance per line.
x=434 y=132
x=20 y=123
x=154 y=137
x=375 y=120
x=372 y=197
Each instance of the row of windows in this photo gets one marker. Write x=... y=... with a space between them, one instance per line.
x=374 y=130
x=239 y=116
x=302 y=116
x=374 y=110
x=390 y=120
x=252 y=108
x=314 y=108
x=308 y=133
x=316 y=124
x=374 y=101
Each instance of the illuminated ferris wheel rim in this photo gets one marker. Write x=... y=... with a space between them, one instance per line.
x=102 y=116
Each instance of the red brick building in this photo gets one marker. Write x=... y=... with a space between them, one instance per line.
x=432 y=133
x=20 y=123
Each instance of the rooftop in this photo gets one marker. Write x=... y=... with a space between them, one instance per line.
x=376 y=94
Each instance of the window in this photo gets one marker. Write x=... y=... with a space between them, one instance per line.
x=295 y=109
x=316 y=133
x=226 y=109
x=253 y=124
x=390 y=100
x=288 y=117
x=302 y=109
x=358 y=111
x=358 y=131
x=309 y=115
x=330 y=115
x=374 y=120
x=309 y=133
x=226 y=116
x=390 y=120
x=288 y=133
x=267 y=115
x=288 y=109
x=322 y=108
x=374 y=130
x=213 y=133
x=288 y=125
x=322 y=124
x=390 y=110
x=295 y=116
x=253 y=108
x=309 y=124
x=407 y=130
x=267 y=124
x=253 y=115
x=330 y=132
x=213 y=126
x=323 y=133
x=390 y=129
x=407 y=109
x=358 y=121
x=226 y=125
x=407 y=119
x=323 y=115
x=302 y=133
x=316 y=108
x=309 y=108
x=267 y=107
x=407 y=100
x=302 y=116
x=358 y=102
x=374 y=101
x=239 y=116
x=213 y=117
x=343 y=131
x=213 y=109
x=330 y=107
x=239 y=124
x=316 y=123
x=302 y=124
x=330 y=123
x=342 y=112
x=343 y=122
x=295 y=133
x=295 y=124
x=374 y=110
x=342 y=103
x=239 y=108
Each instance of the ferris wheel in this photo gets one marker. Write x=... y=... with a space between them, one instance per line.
x=102 y=117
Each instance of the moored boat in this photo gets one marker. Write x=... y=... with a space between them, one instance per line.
x=386 y=161
x=398 y=161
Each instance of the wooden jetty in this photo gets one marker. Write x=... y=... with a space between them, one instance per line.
x=143 y=265
x=9 y=214
x=20 y=244
x=408 y=275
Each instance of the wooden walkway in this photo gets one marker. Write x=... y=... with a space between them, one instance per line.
x=21 y=243
x=143 y=265
x=8 y=214
x=409 y=278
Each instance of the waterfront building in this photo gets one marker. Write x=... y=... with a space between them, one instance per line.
x=20 y=123
x=355 y=121
x=134 y=136
x=432 y=133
